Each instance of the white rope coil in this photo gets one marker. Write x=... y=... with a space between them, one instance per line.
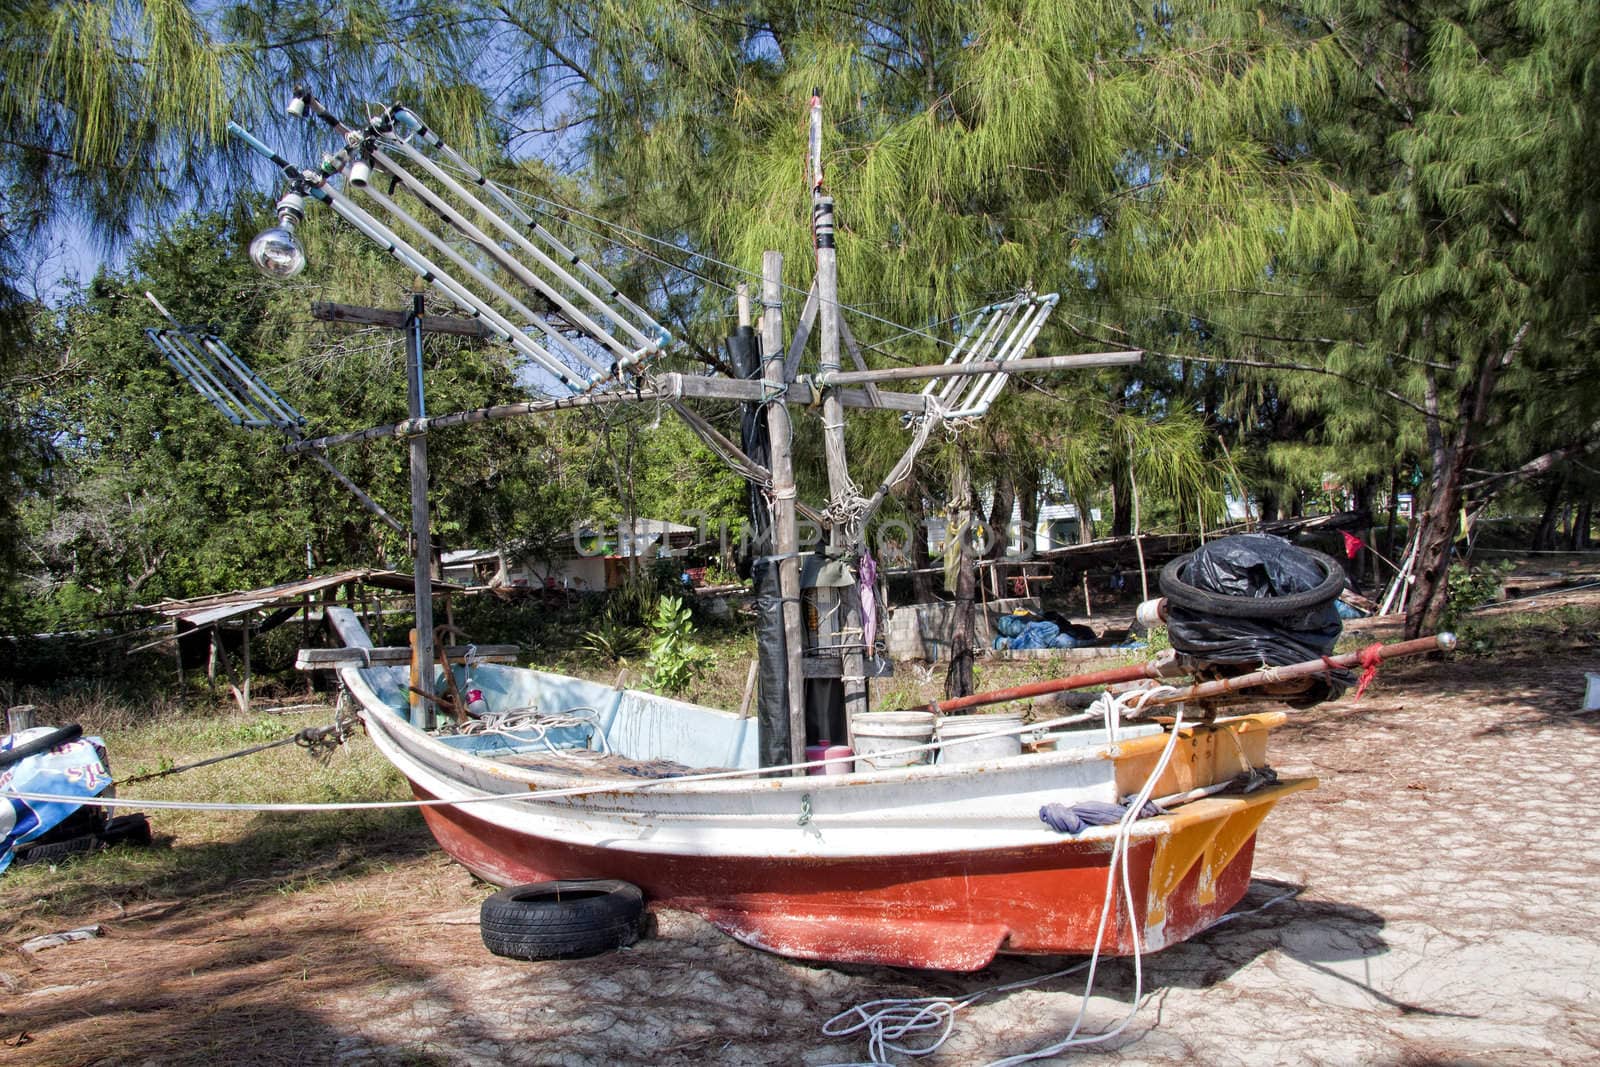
x=530 y=725
x=893 y=1024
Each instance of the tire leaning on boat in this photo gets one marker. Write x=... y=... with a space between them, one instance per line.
x=561 y=920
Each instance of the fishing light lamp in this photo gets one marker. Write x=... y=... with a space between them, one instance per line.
x=276 y=251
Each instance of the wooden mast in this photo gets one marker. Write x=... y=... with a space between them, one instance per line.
x=785 y=535
x=841 y=490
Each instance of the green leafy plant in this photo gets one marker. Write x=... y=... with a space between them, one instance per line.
x=613 y=639
x=675 y=661
x=260 y=731
x=634 y=601
x=1472 y=587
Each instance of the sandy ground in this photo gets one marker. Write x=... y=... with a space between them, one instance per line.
x=1445 y=875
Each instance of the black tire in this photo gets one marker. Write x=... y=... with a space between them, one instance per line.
x=57 y=850
x=128 y=830
x=1187 y=596
x=88 y=820
x=561 y=920
x=42 y=744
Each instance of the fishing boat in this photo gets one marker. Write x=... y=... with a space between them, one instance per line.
x=939 y=866
x=942 y=863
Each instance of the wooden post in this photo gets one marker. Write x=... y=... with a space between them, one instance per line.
x=20 y=718
x=177 y=649
x=305 y=637
x=415 y=324
x=422 y=554
x=244 y=700
x=785 y=535
x=211 y=662
x=749 y=689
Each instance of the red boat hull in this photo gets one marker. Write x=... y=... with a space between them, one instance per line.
x=947 y=911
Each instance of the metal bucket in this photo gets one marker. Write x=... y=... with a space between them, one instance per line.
x=882 y=731
x=958 y=727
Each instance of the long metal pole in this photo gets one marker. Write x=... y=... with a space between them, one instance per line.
x=1442 y=642
x=422 y=571
x=1033 y=364
x=785 y=535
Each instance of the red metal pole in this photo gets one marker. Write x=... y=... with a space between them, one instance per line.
x=1441 y=642
x=1110 y=676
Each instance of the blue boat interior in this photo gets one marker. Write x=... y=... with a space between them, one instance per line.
x=624 y=722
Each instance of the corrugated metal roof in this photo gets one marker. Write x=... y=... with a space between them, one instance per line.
x=203 y=611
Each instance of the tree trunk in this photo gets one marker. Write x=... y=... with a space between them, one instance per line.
x=958 y=679
x=1365 y=493
x=1028 y=509
x=921 y=558
x=1121 y=501
x=1394 y=511
x=999 y=530
x=1578 y=532
x=1269 y=505
x=1544 y=535
x=1430 y=595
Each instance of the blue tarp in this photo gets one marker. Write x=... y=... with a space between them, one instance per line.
x=77 y=768
x=1023 y=632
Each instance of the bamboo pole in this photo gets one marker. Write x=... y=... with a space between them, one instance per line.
x=785 y=536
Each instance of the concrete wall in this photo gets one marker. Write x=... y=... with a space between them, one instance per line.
x=923 y=631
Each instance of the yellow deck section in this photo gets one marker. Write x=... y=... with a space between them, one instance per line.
x=1204 y=755
x=1210 y=831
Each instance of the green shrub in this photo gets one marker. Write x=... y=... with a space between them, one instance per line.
x=612 y=638
x=675 y=661
x=1472 y=587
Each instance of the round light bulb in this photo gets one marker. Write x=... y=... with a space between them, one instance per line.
x=276 y=252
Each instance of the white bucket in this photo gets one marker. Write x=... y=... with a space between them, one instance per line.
x=881 y=731
x=957 y=727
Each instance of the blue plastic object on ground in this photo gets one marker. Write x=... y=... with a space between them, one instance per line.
x=76 y=768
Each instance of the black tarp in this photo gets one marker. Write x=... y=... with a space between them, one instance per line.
x=772 y=663
x=1246 y=568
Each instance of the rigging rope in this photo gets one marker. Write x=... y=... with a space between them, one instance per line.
x=320 y=742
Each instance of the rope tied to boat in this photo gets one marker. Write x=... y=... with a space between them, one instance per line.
x=320 y=743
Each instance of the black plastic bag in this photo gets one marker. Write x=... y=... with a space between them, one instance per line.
x=1255 y=600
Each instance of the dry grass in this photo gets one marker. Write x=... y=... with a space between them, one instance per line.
x=202 y=854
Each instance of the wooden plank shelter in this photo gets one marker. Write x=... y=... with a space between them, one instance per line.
x=204 y=629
